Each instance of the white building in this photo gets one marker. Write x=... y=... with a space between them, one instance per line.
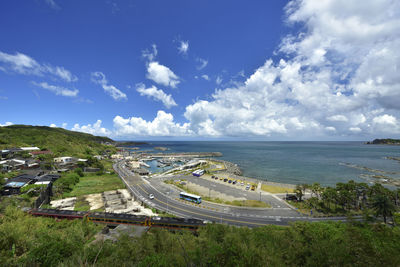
x=65 y=160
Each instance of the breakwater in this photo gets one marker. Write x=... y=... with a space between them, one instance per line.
x=185 y=154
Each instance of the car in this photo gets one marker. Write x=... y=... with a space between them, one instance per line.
x=216 y=178
x=247 y=187
x=230 y=181
x=253 y=187
x=241 y=184
x=225 y=180
x=213 y=177
x=234 y=182
x=151 y=196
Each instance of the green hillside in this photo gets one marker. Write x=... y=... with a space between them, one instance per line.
x=58 y=140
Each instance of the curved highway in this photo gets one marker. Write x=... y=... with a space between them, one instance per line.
x=251 y=217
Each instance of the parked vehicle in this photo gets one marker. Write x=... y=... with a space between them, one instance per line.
x=225 y=179
x=151 y=196
x=247 y=187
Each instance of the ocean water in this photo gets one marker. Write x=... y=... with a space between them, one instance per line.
x=300 y=162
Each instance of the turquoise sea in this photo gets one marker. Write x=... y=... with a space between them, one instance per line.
x=300 y=162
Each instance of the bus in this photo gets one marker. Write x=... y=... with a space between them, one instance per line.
x=190 y=197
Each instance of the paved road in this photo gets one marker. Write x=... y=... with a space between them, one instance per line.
x=164 y=199
x=234 y=190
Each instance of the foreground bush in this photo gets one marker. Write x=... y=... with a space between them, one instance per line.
x=28 y=241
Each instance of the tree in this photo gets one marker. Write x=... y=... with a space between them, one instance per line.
x=328 y=196
x=300 y=191
x=383 y=206
x=316 y=189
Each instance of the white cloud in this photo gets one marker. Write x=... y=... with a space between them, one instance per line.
x=162 y=74
x=162 y=125
x=205 y=77
x=385 y=119
x=24 y=64
x=203 y=63
x=58 y=90
x=150 y=55
x=99 y=78
x=355 y=130
x=218 y=81
x=6 y=124
x=330 y=129
x=157 y=95
x=183 y=47
x=53 y=125
x=94 y=129
x=52 y=4
x=64 y=125
x=338 y=76
x=337 y=118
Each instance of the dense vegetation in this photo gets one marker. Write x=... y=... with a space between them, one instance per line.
x=350 y=198
x=28 y=241
x=60 y=141
x=387 y=141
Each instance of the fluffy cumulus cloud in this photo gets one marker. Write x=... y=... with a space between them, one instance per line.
x=338 y=76
x=156 y=94
x=24 y=64
x=94 y=129
x=58 y=90
x=100 y=79
x=162 y=74
x=162 y=125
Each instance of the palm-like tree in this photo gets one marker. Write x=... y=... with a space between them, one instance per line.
x=383 y=206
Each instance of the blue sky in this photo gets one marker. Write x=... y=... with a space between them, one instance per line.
x=265 y=70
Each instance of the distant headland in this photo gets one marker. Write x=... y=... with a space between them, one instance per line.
x=386 y=141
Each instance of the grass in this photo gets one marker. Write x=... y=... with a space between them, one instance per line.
x=92 y=184
x=239 y=203
x=107 y=165
x=335 y=210
x=248 y=203
x=81 y=204
x=276 y=189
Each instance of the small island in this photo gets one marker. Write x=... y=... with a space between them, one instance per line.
x=386 y=141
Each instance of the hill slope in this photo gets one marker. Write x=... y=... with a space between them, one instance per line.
x=58 y=140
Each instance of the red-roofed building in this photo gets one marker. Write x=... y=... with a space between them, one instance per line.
x=44 y=152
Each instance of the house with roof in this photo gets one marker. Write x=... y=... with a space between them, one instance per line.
x=65 y=160
x=13 y=186
x=46 y=179
x=37 y=153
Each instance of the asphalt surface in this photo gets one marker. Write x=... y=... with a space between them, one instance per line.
x=166 y=199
